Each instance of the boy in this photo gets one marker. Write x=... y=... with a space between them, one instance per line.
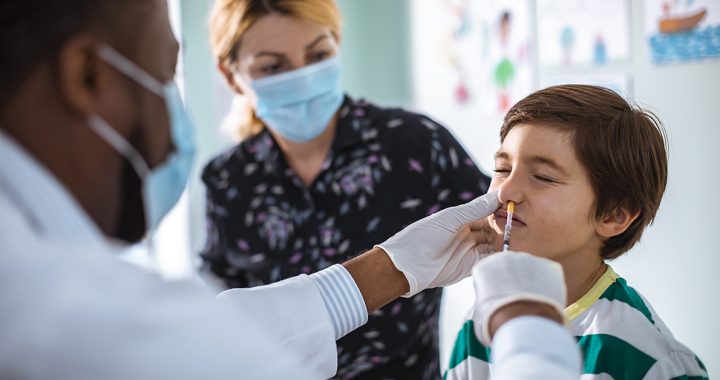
x=587 y=172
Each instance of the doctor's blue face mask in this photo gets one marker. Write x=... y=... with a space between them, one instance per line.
x=163 y=185
x=299 y=104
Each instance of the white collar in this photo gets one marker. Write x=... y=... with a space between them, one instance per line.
x=51 y=210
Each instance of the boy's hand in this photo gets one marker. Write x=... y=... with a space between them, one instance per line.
x=512 y=284
x=442 y=248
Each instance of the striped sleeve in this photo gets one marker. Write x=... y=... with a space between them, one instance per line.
x=342 y=299
x=623 y=337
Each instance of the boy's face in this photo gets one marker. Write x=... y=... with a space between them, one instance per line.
x=537 y=168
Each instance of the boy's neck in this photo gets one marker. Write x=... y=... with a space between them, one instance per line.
x=581 y=274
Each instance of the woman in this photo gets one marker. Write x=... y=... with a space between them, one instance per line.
x=319 y=176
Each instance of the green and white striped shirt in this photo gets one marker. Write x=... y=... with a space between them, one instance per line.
x=620 y=336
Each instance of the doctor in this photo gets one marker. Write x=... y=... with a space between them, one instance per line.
x=95 y=148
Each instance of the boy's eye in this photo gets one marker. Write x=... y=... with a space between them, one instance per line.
x=501 y=171
x=544 y=179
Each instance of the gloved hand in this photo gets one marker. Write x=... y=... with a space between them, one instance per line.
x=510 y=277
x=441 y=249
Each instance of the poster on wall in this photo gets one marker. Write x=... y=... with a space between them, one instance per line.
x=471 y=54
x=682 y=30
x=507 y=67
x=583 y=33
x=471 y=61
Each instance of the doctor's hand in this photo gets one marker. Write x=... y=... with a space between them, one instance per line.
x=513 y=284
x=442 y=248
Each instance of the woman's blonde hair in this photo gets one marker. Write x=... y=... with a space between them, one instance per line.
x=230 y=19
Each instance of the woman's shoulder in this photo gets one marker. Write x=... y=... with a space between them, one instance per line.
x=395 y=122
x=396 y=117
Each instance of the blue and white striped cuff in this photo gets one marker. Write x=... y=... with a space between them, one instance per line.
x=342 y=299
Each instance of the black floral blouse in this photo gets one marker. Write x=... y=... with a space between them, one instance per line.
x=386 y=169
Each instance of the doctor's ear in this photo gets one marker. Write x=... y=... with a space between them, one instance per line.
x=229 y=76
x=80 y=75
x=615 y=222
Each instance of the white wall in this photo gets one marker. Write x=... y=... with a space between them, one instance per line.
x=675 y=265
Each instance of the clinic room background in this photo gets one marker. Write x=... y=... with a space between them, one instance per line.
x=464 y=62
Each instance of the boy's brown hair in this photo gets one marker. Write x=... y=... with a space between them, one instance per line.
x=623 y=148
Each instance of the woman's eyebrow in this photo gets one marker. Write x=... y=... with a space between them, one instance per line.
x=270 y=53
x=315 y=41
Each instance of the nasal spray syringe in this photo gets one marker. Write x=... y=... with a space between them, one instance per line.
x=508 y=226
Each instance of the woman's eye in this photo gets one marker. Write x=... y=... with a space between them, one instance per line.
x=502 y=171
x=270 y=69
x=319 y=56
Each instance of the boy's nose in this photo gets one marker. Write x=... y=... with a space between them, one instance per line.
x=511 y=190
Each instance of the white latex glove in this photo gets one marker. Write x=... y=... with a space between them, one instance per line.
x=508 y=277
x=441 y=249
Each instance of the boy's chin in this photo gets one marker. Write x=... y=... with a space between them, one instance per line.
x=519 y=246
x=532 y=250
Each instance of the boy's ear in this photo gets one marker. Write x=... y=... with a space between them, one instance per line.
x=615 y=222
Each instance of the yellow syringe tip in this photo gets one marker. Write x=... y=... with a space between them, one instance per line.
x=511 y=207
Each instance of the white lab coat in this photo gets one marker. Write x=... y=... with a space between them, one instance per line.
x=70 y=310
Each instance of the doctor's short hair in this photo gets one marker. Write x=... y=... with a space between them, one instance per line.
x=32 y=32
x=623 y=148
x=230 y=19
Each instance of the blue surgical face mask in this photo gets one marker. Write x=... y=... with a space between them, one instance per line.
x=299 y=104
x=163 y=185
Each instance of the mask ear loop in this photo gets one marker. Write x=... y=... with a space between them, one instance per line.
x=129 y=68
x=121 y=145
x=112 y=137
